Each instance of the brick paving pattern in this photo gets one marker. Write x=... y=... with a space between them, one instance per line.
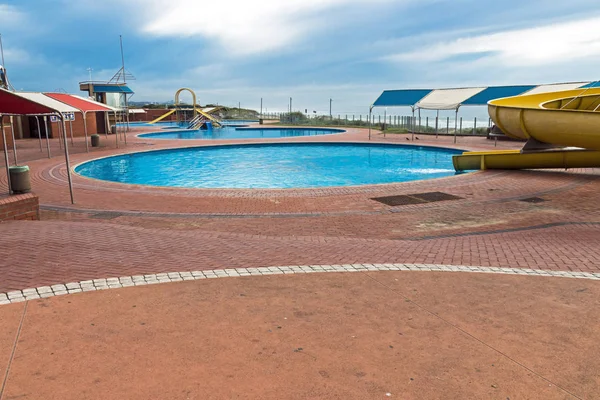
x=124 y=230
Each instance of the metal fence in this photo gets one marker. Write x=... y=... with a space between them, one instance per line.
x=397 y=123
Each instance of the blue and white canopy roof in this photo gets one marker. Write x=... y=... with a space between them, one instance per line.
x=452 y=99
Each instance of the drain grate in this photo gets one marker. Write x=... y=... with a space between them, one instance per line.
x=533 y=200
x=417 y=198
x=402 y=200
x=435 y=196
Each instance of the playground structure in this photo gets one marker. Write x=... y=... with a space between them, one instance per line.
x=191 y=117
x=562 y=130
x=560 y=122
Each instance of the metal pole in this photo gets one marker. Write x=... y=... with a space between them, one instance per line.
x=68 y=162
x=87 y=145
x=261 y=107
x=71 y=129
x=47 y=137
x=461 y=125
x=447 y=125
x=370 y=111
x=455 y=124
x=39 y=133
x=437 y=120
x=116 y=130
x=125 y=82
x=6 y=162
x=413 y=125
x=107 y=118
x=12 y=130
x=475 y=126
x=330 y=101
x=419 y=120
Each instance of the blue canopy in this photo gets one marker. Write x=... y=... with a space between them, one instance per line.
x=496 y=92
x=398 y=98
x=453 y=98
x=112 y=89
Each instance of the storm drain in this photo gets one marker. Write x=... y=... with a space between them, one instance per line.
x=417 y=198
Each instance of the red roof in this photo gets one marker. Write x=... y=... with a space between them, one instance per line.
x=77 y=102
x=13 y=104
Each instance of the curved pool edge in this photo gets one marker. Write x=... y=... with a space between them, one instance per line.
x=167 y=131
x=308 y=189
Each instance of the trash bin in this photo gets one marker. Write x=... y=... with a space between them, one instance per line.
x=95 y=140
x=19 y=179
x=113 y=129
x=260 y=121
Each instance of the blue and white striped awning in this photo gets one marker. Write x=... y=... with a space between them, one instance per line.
x=452 y=99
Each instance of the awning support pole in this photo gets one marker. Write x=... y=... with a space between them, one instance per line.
x=455 y=124
x=116 y=130
x=71 y=129
x=37 y=120
x=412 y=136
x=85 y=132
x=12 y=130
x=107 y=118
x=47 y=137
x=67 y=162
x=6 y=162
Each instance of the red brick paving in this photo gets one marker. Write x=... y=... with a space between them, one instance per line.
x=248 y=228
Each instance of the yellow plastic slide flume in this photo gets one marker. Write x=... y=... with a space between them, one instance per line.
x=564 y=119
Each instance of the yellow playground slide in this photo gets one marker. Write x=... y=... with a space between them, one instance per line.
x=562 y=130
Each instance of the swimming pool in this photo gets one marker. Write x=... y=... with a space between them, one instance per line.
x=274 y=166
x=232 y=132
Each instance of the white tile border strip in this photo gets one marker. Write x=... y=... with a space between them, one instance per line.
x=150 y=279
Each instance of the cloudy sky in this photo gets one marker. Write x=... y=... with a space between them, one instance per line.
x=232 y=51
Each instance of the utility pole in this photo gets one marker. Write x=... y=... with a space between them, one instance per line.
x=290 y=105
x=125 y=82
x=330 y=115
x=261 y=106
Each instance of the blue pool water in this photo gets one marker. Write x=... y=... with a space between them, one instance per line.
x=282 y=165
x=232 y=132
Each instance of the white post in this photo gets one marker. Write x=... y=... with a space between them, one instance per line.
x=37 y=120
x=107 y=124
x=412 y=136
x=87 y=145
x=67 y=162
x=455 y=124
x=71 y=129
x=116 y=130
x=6 y=162
x=12 y=130
x=47 y=137
x=419 y=120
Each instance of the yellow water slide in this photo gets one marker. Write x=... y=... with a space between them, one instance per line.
x=162 y=117
x=562 y=130
x=206 y=115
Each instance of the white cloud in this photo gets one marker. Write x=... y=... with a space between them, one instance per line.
x=10 y=16
x=537 y=46
x=243 y=27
